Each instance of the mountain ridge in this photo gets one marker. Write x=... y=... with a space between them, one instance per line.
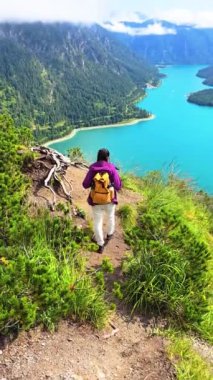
x=169 y=43
x=60 y=76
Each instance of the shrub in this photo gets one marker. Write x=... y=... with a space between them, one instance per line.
x=75 y=154
x=12 y=183
x=127 y=213
x=117 y=290
x=131 y=182
x=107 y=265
x=43 y=277
x=169 y=269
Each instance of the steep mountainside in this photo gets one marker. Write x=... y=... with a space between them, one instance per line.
x=63 y=74
x=175 y=44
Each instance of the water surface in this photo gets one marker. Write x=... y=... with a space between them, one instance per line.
x=181 y=134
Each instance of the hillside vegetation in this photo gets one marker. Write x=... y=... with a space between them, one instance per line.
x=170 y=269
x=55 y=77
x=203 y=97
x=206 y=73
x=43 y=274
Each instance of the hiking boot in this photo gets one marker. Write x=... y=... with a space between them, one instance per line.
x=109 y=237
x=100 y=249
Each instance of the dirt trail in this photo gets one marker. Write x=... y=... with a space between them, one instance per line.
x=77 y=352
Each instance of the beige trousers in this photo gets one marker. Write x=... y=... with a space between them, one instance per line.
x=99 y=211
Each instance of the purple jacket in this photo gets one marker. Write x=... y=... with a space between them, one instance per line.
x=102 y=166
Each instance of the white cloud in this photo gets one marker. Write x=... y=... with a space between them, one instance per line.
x=99 y=10
x=52 y=10
x=118 y=27
x=202 y=19
x=157 y=28
x=127 y=16
x=199 y=19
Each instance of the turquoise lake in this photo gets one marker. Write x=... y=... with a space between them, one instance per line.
x=181 y=135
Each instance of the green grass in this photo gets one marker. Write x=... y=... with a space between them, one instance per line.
x=188 y=363
x=170 y=269
x=131 y=182
x=127 y=214
x=43 y=277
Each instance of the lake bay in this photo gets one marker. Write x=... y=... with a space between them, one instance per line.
x=181 y=134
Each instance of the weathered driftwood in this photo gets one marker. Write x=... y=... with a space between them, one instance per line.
x=46 y=184
x=81 y=165
x=57 y=166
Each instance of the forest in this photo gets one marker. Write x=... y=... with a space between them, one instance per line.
x=56 y=77
x=203 y=97
x=206 y=73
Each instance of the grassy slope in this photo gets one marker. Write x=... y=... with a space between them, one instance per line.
x=165 y=273
x=169 y=272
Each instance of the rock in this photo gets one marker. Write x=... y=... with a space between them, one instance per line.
x=101 y=375
x=69 y=376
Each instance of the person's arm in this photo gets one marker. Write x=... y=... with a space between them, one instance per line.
x=87 y=182
x=116 y=180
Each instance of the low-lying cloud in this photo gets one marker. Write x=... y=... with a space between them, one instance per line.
x=89 y=11
x=156 y=28
x=52 y=10
x=201 y=19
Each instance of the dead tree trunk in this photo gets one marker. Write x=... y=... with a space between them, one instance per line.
x=56 y=165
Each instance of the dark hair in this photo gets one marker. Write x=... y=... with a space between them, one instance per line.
x=103 y=155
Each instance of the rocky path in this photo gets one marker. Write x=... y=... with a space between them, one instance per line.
x=79 y=353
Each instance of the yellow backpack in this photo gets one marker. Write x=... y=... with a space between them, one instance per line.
x=102 y=191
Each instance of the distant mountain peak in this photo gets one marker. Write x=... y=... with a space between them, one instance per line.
x=164 y=42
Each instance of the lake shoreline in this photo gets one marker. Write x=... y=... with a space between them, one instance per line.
x=116 y=125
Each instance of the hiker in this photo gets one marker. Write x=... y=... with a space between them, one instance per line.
x=104 y=181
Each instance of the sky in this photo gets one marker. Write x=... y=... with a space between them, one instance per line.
x=196 y=12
